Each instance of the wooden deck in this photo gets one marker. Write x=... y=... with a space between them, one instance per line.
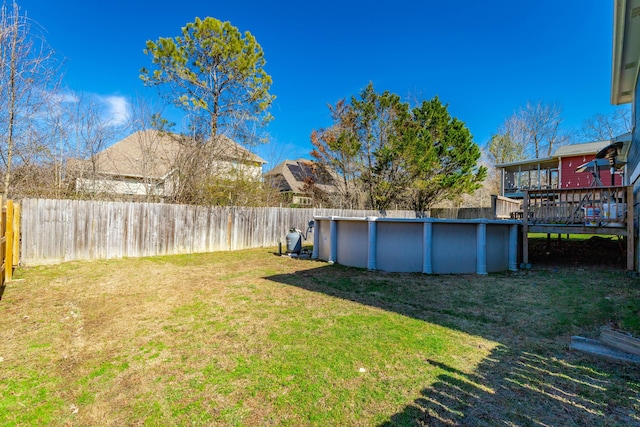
x=593 y=210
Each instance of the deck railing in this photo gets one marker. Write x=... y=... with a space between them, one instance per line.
x=504 y=207
x=593 y=210
x=593 y=206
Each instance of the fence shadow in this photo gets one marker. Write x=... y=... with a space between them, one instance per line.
x=525 y=381
x=507 y=389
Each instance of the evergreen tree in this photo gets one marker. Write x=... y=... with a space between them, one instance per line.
x=440 y=156
x=215 y=74
x=411 y=158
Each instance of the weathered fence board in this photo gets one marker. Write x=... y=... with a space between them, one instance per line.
x=54 y=231
x=65 y=230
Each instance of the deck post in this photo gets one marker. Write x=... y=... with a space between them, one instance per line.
x=630 y=230
x=525 y=227
x=494 y=205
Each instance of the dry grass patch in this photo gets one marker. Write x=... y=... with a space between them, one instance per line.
x=248 y=338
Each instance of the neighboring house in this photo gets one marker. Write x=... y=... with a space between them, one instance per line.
x=559 y=170
x=144 y=164
x=570 y=157
x=299 y=179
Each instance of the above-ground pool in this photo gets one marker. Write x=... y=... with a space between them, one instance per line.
x=421 y=245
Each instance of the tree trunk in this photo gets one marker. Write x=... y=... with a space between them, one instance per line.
x=12 y=106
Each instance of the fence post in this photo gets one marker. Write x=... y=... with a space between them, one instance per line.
x=8 y=254
x=3 y=243
x=16 y=234
x=229 y=229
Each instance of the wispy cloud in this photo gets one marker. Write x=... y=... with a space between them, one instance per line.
x=117 y=110
x=68 y=98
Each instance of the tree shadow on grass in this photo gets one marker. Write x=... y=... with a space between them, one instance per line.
x=530 y=379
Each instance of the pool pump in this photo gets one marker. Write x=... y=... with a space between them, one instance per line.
x=294 y=239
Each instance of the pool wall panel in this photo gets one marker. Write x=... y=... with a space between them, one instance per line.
x=425 y=245
x=454 y=248
x=352 y=243
x=399 y=246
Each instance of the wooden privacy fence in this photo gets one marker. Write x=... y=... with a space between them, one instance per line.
x=9 y=239
x=54 y=231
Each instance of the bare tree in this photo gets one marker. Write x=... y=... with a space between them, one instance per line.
x=29 y=77
x=152 y=157
x=537 y=128
x=503 y=146
x=90 y=131
x=604 y=127
x=337 y=148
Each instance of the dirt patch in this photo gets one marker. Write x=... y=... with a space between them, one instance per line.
x=594 y=251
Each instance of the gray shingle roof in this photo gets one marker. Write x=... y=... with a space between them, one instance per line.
x=580 y=149
x=152 y=154
x=289 y=175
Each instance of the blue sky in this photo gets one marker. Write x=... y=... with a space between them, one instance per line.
x=483 y=58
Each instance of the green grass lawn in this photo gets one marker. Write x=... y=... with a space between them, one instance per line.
x=248 y=338
x=563 y=236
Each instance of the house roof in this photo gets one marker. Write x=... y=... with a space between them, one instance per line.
x=290 y=175
x=147 y=153
x=152 y=154
x=580 y=149
x=626 y=50
x=589 y=148
x=529 y=164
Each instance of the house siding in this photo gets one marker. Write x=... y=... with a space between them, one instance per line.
x=135 y=186
x=125 y=186
x=572 y=179
x=633 y=158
